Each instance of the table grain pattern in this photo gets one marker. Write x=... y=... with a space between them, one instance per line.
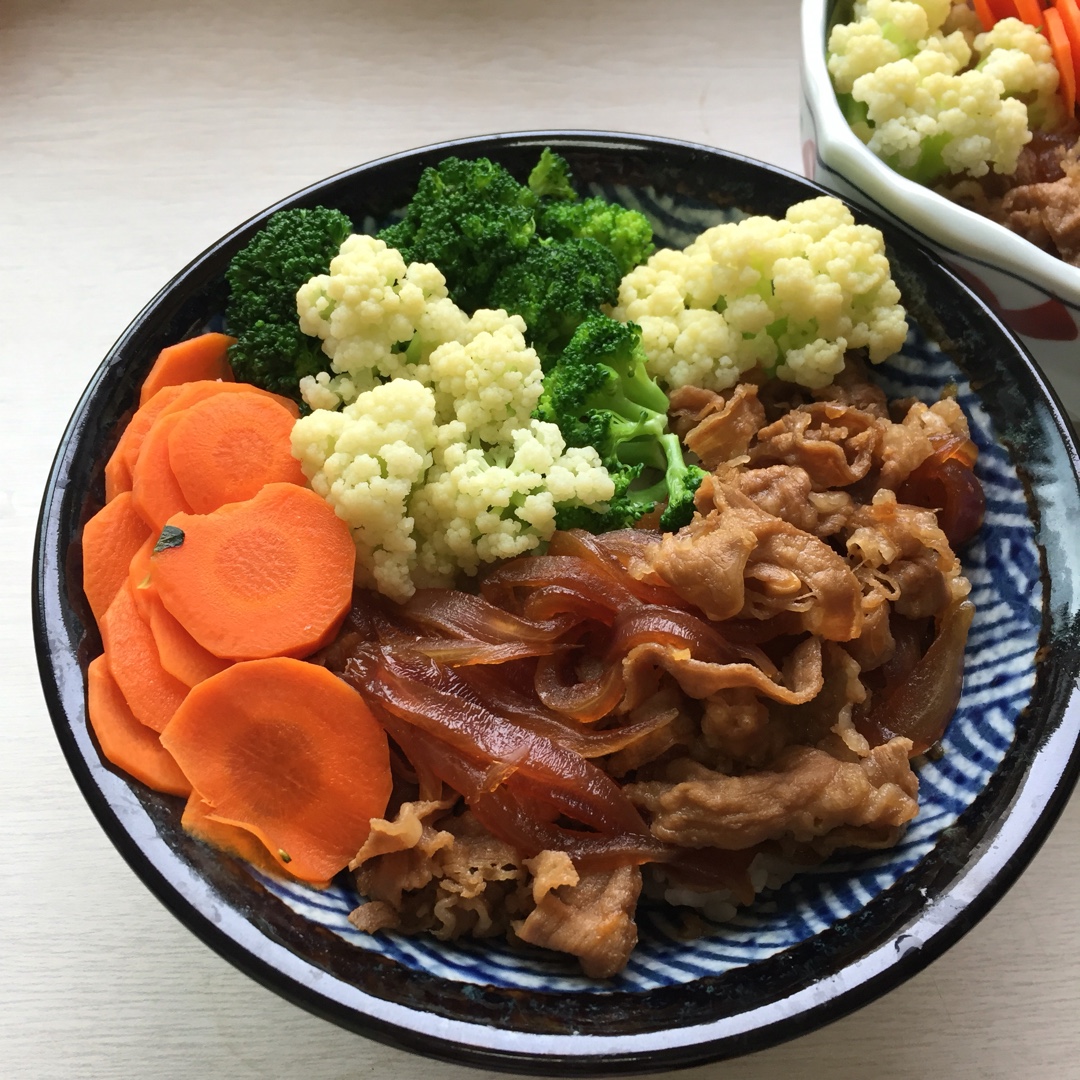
x=132 y=135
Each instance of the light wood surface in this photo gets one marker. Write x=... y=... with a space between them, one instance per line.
x=131 y=136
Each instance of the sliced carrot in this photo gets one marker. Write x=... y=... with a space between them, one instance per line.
x=127 y=743
x=139 y=577
x=1069 y=11
x=232 y=839
x=193 y=392
x=1029 y=11
x=151 y=692
x=109 y=541
x=202 y=357
x=117 y=474
x=180 y=654
x=290 y=752
x=118 y=467
x=226 y=448
x=1003 y=9
x=154 y=486
x=271 y=576
x=1063 y=57
x=985 y=13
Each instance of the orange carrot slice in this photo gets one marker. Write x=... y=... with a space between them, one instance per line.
x=228 y=447
x=151 y=692
x=985 y=13
x=193 y=392
x=109 y=541
x=139 y=577
x=271 y=576
x=180 y=654
x=117 y=474
x=127 y=743
x=290 y=752
x=1063 y=57
x=122 y=461
x=1004 y=9
x=202 y=357
x=1029 y=11
x=232 y=839
x=1069 y=11
x=154 y=486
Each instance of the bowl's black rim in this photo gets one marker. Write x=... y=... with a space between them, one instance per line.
x=1004 y=852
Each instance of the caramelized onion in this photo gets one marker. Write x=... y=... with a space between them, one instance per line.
x=946 y=482
x=604 y=594
x=920 y=706
x=510 y=815
x=558 y=688
x=670 y=626
x=431 y=697
x=460 y=614
x=589 y=742
x=467 y=653
x=612 y=554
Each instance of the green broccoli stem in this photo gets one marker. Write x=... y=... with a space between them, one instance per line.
x=642 y=391
x=678 y=483
x=660 y=451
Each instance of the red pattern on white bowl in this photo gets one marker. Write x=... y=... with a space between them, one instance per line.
x=1050 y=320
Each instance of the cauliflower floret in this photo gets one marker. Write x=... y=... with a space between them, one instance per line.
x=882 y=32
x=479 y=507
x=792 y=295
x=1021 y=58
x=366 y=461
x=925 y=120
x=376 y=317
x=909 y=93
x=490 y=380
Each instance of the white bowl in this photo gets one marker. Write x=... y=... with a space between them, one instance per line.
x=1034 y=293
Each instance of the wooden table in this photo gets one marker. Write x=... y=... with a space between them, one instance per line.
x=134 y=134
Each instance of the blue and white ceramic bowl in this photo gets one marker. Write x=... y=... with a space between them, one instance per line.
x=820 y=946
x=1035 y=294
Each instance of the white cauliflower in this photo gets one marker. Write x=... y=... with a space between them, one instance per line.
x=489 y=379
x=1021 y=58
x=909 y=92
x=365 y=310
x=366 y=461
x=791 y=296
x=882 y=32
x=478 y=507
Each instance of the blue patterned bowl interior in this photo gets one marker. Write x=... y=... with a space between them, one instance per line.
x=744 y=982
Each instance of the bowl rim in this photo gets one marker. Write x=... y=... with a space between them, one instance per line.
x=917 y=208
x=1003 y=853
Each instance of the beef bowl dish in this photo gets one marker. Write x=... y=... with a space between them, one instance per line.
x=567 y=601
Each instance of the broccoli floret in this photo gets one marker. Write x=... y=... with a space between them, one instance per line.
x=554 y=287
x=600 y=394
x=550 y=179
x=627 y=234
x=294 y=246
x=469 y=218
x=480 y=227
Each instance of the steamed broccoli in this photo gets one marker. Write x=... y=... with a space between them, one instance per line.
x=295 y=245
x=501 y=244
x=550 y=177
x=469 y=218
x=600 y=395
x=627 y=234
x=553 y=287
